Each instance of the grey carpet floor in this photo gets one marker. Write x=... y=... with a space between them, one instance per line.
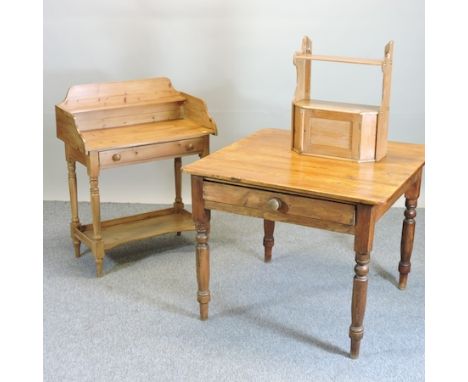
x=283 y=321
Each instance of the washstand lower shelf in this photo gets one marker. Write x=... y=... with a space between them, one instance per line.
x=137 y=227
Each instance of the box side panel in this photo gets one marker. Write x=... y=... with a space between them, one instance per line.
x=368 y=137
x=298 y=129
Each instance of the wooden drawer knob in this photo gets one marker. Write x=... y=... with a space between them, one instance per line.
x=274 y=204
x=189 y=146
x=116 y=157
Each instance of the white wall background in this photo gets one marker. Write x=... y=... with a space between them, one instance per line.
x=237 y=56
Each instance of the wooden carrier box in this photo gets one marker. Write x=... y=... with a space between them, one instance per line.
x=339 y=130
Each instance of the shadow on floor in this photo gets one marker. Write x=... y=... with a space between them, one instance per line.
x=382 y=272
x=263 y=322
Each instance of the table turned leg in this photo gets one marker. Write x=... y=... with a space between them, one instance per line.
x=268 y=239
x=201 y=217
x=75 y=221
x=358 y=304
x=364 y=235
x=178 y=204
x=407 y=235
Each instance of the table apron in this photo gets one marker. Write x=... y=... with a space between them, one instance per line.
x=277 y=206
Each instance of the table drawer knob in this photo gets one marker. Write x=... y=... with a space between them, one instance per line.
x=274 y=204
x=116 y=157
x=189 y=146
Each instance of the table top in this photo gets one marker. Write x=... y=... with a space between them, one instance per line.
x=265 y=159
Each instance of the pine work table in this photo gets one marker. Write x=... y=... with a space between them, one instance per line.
x=261 y=176
x=114 y=124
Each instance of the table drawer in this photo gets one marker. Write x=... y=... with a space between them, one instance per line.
x=119 y=157
x=278 y=206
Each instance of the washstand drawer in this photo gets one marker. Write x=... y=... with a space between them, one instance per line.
x=277 y=205
x=119 y=157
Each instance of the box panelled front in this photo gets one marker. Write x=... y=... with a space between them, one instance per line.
x=335 y=133
x=279 y=206
x=331 y=133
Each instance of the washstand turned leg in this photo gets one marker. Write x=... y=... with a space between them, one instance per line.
x=98 y=244
x=178 y=204
x=75 y=221
x=407 y=235
x=268 y=239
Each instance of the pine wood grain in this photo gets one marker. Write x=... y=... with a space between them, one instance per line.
x=288 y=205
x=142 y=134
x=383 y=118
x=337 y=106
x=347 y=60
x=113 y=124
x=141 y=226
x=363 y=138
x=266 y=159
x=260 y=176
x=109 y=95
